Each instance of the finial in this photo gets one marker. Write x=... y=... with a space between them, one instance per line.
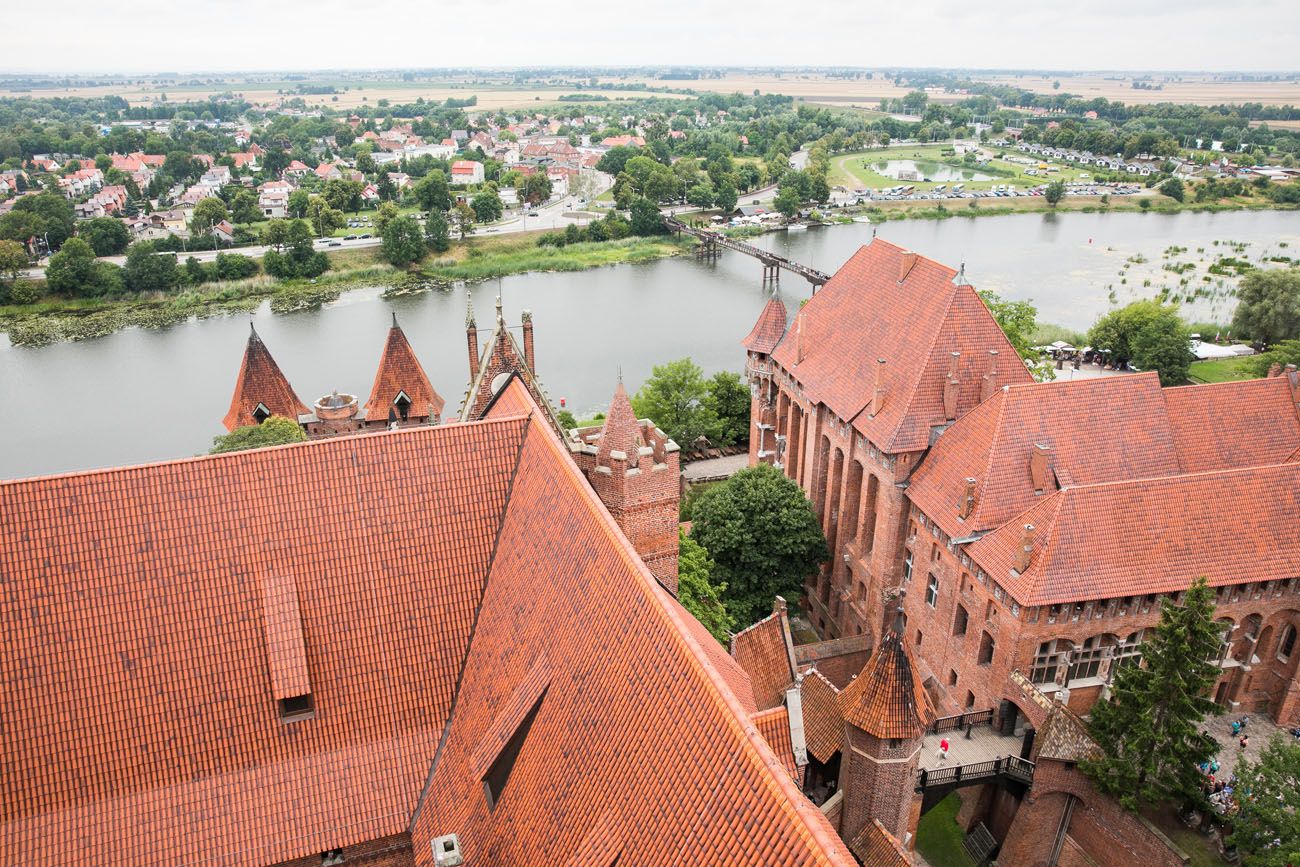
x=394 y=318
x=500 y=317
x=252 y=329
x=469 y=309
x=900 y=619
x=620 y=374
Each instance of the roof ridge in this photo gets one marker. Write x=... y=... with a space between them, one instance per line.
x=336 y=441
x=925 y=360
x=993 y=441
x=1181 y=476
x=752 y=626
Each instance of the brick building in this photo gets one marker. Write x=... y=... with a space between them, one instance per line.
x=425 y=646
x=1034 y=526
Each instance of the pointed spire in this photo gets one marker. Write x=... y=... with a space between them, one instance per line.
x=501 y=319
x=400 y=374
x=887 y=700
x=260 y=383
x=395 y=319
x=621 y=432
x=469 y=310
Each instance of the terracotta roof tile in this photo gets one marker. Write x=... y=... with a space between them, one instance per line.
x=260 y=382
x=876 y=847
x=769 y=329
x=284 y=642
x=823 y=721
x=774 y=725
x=763 y=651
x=1063 y=736
x=621 y=430
x=865 y=313
x=1152 y=536
x=1234 y=424
x=400 y=373
x=887 y=700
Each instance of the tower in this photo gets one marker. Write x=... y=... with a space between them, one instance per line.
x=765 y=446
x=635 y=470
x=402 y=394
x=886 y=711
x=261 y=390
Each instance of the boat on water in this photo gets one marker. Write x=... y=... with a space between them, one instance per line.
x=797 y=227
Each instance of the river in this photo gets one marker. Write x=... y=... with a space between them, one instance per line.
x=142 y=395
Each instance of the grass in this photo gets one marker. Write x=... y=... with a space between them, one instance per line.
x=854 y=170
x=485 y=259
x=1220 y=370
x=1198 y=848
x=939 y=837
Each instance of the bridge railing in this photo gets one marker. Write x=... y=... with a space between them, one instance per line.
x=959 y=775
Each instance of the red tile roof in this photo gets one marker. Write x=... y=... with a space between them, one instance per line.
x=768 y=330
x=145 y=609
x=774 y=726
x=866 y=313
x=1152 y=536
x=260 y=382
x=1234 y=424
x=877 y=847
x=887 y=700
x=823 y=722
x=621 y=430
x=763 y=652
x=400 y=373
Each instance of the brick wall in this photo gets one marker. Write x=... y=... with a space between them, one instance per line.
x=877 y=779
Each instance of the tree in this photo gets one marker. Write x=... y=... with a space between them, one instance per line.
x=403 y=241
x=274 y=431
x=324 y=219
x=1054 y=192
x=701 y=194
x=1282 y=353
x=1268 y=305
x=787 y=202
x=207 y=213
x=1150 y=730
x=1173 y=188
x=696 y=593
x=297 y=203
x=343 y=195
x=105 y=235
x=463 y=216
x=386 y=213
x=244 y=207
x=646 y=219
x=487 y=206
x=433 y=192
x=437 y=234
x=1266 y=828
x=536 y=188
x=675 y=397
x=148 y=270
x=1018 y=321
x=71 y=270
x=727 y=197
x=728 y=400
x=1150 y=335
x=763 y=536
x=54 y=217
x=275 y=233
x=13 y=259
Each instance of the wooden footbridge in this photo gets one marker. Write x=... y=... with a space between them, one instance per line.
x=773 y=264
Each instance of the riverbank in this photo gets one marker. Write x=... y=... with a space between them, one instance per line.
x=924 y=209
x=54 y=320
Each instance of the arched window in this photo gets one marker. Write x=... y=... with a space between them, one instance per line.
x=1287 y=643
x=1086 y=661
x=986 y=649
x=960 y=620
x=932 y=591
x=1049 y=659
x=1128 y=652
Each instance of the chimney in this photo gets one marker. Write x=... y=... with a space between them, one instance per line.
x=990 y=383
x=1040 y=466
x=967 y=504
x=528 y=340
x=951 y=388
x=798 y=338
x=905 y=266
x=471 y=337
x=1025 y=555
x=878 y=392
x=1274 y=369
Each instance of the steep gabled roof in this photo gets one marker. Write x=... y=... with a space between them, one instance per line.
x=767 y=656
x=1064 y=737
x=823 y=720
x=260 y=382
x=400 y=373
x=913 y=313
x=774 y=725
x=1234 y=424
x=769 y=329
x=888 y=700
x=1098 y=430
x=877 y=847
x=621 y=431
x=1152 y=536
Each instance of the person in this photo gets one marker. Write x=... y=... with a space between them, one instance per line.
x=943 y=749
x=1245 y=741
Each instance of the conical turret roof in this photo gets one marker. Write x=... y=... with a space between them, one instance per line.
x=887 y=699
x=621 y=431
x=769 y=329
x=400 y=373
x=260 y=383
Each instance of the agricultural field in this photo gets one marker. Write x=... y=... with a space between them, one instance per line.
x=938 y=163
x=490 y=96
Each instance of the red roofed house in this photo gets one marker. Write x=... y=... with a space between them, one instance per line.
x=617 y=141
x=328 y=172
x=297 y=168
x=465 y=172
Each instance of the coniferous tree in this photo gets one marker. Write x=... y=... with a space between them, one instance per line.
x=1151 y=728
x=1266 y=828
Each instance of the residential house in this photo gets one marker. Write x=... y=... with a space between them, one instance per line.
x=465 y=172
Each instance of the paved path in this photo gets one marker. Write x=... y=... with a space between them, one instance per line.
x=1261 y=730
x=715 y=468
x=986 y=744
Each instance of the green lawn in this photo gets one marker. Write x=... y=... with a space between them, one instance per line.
x=1220 y=370
x=939 y=837
x=1198 y=848
x=853 y=170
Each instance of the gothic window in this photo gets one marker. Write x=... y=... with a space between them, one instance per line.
x=932 y=591
x=1049 y=658
x=1087 y=659
x=1287 y=644
x=960 y=621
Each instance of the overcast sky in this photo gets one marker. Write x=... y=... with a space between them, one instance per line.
x=235 y=35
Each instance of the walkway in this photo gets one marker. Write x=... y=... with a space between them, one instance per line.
x=714 y=469
x=986 y=744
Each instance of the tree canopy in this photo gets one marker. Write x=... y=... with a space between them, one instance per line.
x=403 y=241
x=105 y=235
x=676 y=398
x=763 y=536
x=1266 y=827
x=728 y=400
x=1018 y=321
x=1149 y=334
x=274 y=431
x=1151 y=728
x=697 y=593
x=1268 y=305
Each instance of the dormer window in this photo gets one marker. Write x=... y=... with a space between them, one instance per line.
x=498 y=773
x=403 y=404
x=297 y=707
x=261 y=413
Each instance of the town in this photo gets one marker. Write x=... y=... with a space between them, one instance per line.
x=619 y=466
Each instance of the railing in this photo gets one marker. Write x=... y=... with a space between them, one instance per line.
x=961 y=720
x=1014 y=767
